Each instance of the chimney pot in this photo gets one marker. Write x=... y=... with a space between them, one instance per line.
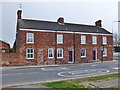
x=98 y=23
x=61 y=21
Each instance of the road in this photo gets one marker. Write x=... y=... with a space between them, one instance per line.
x=32 y=75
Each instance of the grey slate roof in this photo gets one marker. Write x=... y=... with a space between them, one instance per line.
x=47 y=25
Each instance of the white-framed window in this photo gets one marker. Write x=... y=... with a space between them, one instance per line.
x=59 y=39
x=83 y=39
x=3 y=51
x=83 y=52
x=59 y=53
x=104 y=40
x=30 y=38
x=105 y=52
x=29 y=53
x=94 y=40
x=50 y=53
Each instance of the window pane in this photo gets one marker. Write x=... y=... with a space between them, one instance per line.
x=30 y=38
x=83 y=39
x=59 y=39
x=83 y=52
x=60 y=52
x=30 y=53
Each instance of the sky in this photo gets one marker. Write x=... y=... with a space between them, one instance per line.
x=73 y=11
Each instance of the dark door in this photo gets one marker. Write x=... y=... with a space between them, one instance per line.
x=70 y=56
x=94 y=54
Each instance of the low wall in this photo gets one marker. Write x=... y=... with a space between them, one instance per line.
x=9 y=59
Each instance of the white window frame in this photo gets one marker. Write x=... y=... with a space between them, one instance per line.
x=29 y=53
x=30 y=36
x=104 y=40
x=94 y=39
x=58 y=51
x=84 y=52
x=105 y=52
x=83 y=39
x=59 y=38
x=51 y=52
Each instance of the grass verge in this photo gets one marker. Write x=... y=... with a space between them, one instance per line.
x=77 y=83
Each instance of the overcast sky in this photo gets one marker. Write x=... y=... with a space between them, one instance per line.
x=74 y=11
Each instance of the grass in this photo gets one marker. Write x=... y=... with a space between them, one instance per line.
x=77 y=83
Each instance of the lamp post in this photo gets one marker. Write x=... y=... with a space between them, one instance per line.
x=102 y=50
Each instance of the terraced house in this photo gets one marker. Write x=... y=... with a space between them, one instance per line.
x=46 y=42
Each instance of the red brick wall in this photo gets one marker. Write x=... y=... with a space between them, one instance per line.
x=45 y=40
x=10 y=59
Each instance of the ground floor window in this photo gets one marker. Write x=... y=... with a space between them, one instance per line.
x=50 y=53
x=83 y=52
x=105 y=52
x=29 y=53
x=59 y=53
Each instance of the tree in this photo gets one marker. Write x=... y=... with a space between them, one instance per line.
x=116 y=39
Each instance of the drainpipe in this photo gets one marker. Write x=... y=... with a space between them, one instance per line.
x=74 y=46
x=55 y=47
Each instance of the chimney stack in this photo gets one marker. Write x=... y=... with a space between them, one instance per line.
x=61 y=21
x=98 y=23
x=19 y=14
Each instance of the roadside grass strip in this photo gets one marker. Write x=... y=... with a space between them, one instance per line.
x=77 y=84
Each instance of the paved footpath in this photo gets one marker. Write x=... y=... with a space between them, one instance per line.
x=104 y=84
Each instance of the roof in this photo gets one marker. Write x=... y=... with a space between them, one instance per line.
x=4 y=42
x=54 y=26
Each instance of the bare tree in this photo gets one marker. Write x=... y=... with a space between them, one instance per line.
x=116 y=39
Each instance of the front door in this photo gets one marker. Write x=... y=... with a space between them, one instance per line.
x=94 y=54
x=70 y=56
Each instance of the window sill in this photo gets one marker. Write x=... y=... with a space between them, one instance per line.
x=83 y=43
x=83 y=56
x=50 y=57
x=105 y=56
x=29 y=58
x=59 y=57
x=29 y=42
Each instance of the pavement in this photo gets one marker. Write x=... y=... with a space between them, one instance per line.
x=104 y=84
x=42 y=66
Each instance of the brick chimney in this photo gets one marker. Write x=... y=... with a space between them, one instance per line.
x=19 y=14
x=60 y=21
x=98 y=23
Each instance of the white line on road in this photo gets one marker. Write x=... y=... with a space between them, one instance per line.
x=19 y=73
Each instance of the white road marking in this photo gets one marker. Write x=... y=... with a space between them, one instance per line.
x=53 y=68
x=116 y=68
x=18 y=73
x=82 y=72
x=93 y=65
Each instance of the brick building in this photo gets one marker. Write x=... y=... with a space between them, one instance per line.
x=4 y=47
x=46 y=42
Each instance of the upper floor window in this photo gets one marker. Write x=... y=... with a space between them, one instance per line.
x=83 y=39
x=59 y=39
x=105 y=52
x=104 y=40
x=30 y=38
x=59 y=53
x=29 y=53
x=83 y=52
x=94 y=40
x=50 y=53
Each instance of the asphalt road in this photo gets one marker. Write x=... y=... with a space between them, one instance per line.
x=33 y=75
